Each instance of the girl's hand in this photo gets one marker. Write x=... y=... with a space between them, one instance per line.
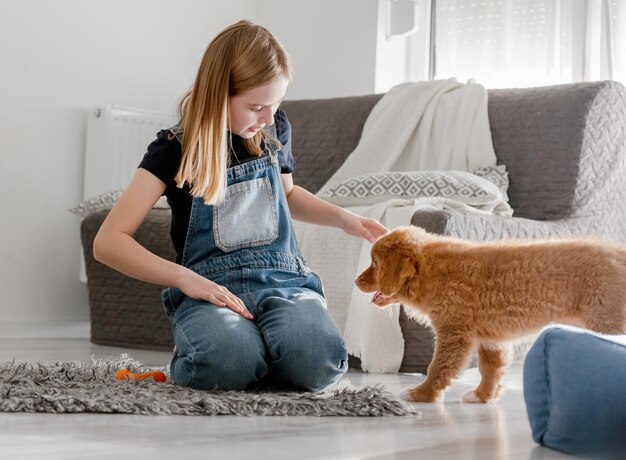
x=362 y=227
x=198 y=287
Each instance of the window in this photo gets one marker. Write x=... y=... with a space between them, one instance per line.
x=517 y=43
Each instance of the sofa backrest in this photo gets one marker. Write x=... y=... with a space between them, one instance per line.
x=538 y=133
x=324 y=133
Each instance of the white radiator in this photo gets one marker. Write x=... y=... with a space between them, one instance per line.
x=117 y=139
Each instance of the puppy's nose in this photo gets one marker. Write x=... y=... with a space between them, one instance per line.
x=357 y=282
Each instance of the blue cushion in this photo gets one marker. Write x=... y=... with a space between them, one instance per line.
x=575 y=391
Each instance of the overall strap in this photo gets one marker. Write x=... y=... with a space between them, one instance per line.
x=271 y=129
x=271 y=142
x=176 y=131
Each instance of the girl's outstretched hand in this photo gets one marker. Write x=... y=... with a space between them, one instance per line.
x=362 y=227
x=198 y=287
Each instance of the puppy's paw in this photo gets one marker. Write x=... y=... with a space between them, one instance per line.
x=419 y=394
x=475 y=396
x=470 y=396
x=405 y=394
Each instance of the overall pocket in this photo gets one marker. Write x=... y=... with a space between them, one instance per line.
x=247 y=217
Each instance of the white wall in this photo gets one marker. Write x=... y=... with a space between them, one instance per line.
x=57 y=59
x=332 y=44
x=340 y=47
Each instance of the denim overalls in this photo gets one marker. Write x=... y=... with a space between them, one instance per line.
x=247 y=244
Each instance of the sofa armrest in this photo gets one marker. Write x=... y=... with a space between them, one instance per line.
x=485 y=227
x=125 y=311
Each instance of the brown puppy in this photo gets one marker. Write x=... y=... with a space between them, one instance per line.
x=485 y=294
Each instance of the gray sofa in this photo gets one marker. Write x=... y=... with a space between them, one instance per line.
x=564 y=147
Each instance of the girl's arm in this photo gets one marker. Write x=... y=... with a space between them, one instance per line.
x=115 y=246
x=306 y=207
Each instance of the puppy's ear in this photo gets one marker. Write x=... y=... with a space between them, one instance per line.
x=394 y=270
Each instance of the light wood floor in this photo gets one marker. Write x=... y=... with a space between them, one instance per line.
x=442 y=431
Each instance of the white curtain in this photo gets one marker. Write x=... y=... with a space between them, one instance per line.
x=517 y=43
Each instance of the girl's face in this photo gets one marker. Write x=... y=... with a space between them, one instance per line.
x=253 y=109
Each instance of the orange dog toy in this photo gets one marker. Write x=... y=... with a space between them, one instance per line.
x=125 y=374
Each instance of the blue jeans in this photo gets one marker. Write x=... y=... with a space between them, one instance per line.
x=247 y=244
x=291 y=343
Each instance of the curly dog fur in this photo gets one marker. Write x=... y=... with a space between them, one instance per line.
x=483 y=295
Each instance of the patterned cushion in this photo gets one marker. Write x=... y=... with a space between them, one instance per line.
x=486 y=184
x=106 y=201
x=496 y=174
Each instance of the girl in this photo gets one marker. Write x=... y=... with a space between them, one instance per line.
x=245 y=307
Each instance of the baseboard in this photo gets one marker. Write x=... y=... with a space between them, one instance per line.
x=45 y=329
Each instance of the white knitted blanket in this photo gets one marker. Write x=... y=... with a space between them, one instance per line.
x=438 y=125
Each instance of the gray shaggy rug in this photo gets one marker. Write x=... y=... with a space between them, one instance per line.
x=69 y=387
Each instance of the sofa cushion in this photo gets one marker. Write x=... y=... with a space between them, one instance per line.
x=325 y=132
x=575 y=392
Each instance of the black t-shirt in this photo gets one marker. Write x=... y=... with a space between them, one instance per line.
x=163 y=160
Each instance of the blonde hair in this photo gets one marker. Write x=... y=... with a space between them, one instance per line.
x=241 y=57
